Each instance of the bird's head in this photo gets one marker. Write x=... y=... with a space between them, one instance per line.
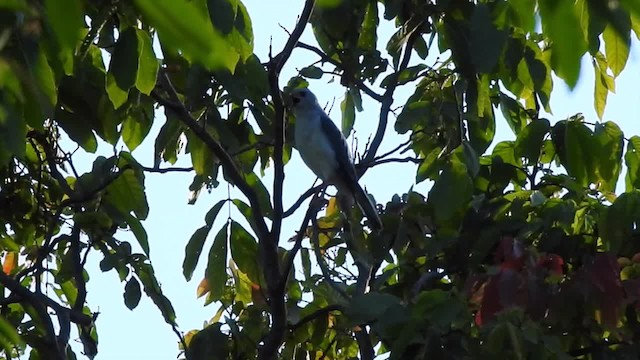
x=303 y=99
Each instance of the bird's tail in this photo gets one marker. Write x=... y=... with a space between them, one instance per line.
x=367 y=207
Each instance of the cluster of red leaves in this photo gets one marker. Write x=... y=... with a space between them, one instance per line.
x=520 y=280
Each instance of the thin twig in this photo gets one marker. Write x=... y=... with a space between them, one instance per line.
x=229 y=166
x=302 y=198
x=316 y=314
x=387 y=100
x=359 y=83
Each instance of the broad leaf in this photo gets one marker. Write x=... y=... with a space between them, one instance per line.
x=216 y=272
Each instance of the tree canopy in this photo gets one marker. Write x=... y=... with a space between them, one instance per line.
x=523 y=248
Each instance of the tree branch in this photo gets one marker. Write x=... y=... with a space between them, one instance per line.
x=166 y=170
x=174 y=104
x=387 y=100
x=312 y=212
x=302 y=198
x=269 y=245
x=316 y=314
x=359 y=83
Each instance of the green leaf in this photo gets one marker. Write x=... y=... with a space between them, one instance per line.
x=618 y=222
x=428 y=169
x=242 y=35
x=152 y=289
x=407 y=75
x=209 y=343
x=487 y=40
x=46 y=91
x=262 y=193
x=481 y=119
x=147 y=70
x=132 y=293
x=9 y=334
x=139 y=232
x=451 y=193
x=194 y=247
x=123 y=71
x=244 y=251
x=202 y=158
x=168 y=142
x=222 y=14
x=529 y=141
x=312 y=72
x=12 y=133
x=608 y=155
x=191 y=32
x=524 y=12
x=616 y=49
x=560 y=23
x=126 y=193
x=604 y=84
x=368 y=36
x=370 y=306
x=193 y=250
x=137 y=125
x=632 y=161
x=577 y=155
x=514 y=113
x=216 y=272
x=348 y=114
x=66 y=20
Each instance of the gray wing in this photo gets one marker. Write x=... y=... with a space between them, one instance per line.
x=339 y=144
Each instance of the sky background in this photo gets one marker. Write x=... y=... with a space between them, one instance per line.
x=142 y=333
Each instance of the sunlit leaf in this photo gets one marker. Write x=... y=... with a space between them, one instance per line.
x=348 y=114
x=147 y=63
x=206 y=45
x=244 y=251
x=559 y=22
x=66 y=19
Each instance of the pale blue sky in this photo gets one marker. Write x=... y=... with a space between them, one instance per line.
x=142 y=334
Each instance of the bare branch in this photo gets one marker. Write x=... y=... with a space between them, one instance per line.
x=387 y=100
x=316 y=314
x=396 y=160
x=312 y=212
x=359 y=83
x=166 y=170
x=302 y=198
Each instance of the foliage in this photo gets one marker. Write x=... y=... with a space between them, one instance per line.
x=522 y=251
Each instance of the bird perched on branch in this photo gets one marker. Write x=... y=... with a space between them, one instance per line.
x=324 y=150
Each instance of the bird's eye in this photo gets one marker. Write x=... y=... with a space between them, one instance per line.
x=296 y=100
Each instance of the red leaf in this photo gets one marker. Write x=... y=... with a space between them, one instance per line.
x=605 y=275
x=552 y=262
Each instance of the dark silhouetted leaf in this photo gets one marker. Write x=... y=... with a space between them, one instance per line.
x=132 y=293
x=632 y=161
x=529 y=141
x=216 y=272
x=486 y=40
x=194 y=247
